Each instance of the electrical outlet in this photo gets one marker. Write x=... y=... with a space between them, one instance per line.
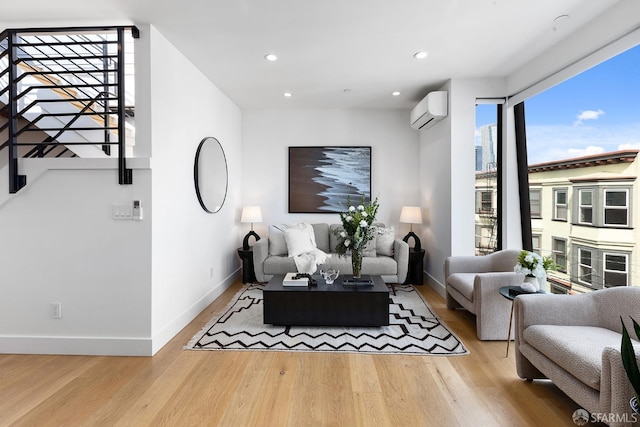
x=56 y=310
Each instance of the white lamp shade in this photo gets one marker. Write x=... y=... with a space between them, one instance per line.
x=411 y=215
x=251 y=214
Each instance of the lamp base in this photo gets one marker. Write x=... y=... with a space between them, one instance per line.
x=417 y=246
x=245 y=242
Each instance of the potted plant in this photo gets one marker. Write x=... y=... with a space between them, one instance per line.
x=356 y=231
x=534 y=267
x=630 y=363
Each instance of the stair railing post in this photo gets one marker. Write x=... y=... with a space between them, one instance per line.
x=125 y=175
x=16 y=181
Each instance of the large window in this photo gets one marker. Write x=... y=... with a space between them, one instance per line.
x=582 y=149
x=487 y=169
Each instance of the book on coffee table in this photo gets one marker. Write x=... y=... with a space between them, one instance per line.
x=290 y=281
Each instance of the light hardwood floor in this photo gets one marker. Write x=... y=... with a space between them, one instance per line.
x=211 y=388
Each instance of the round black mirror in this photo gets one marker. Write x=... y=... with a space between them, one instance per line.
x=210 y=175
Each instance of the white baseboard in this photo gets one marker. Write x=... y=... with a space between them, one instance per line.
x=436 y=285
x=170 y=330
x=88 y=346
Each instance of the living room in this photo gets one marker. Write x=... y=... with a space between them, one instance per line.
x=130 y=288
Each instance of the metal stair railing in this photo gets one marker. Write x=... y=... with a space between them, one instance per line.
x=79 y=67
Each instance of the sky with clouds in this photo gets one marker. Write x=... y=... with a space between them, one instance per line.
x=595 y=112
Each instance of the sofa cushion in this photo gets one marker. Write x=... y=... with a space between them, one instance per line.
x=334 y=229
x=300 y=239
x=321 y=232
x=463 y=283
x=277 y=243
x=279 y=265
x=385 y=238
x=370 y=248
x=577 y=349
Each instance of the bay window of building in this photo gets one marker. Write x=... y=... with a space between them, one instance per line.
x=560 y=204
x=615 y=270
x=616 y=207
x=559 y=253
x=585 y=206
x=585 y=266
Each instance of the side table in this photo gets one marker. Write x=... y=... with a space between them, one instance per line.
x=510 y=293
x=416 y=266
x=248 y=273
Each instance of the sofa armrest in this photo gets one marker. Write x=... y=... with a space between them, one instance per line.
x=260 y=254
x=401 y=255
x=615 y=388
x=466 y=264
x=492 y=309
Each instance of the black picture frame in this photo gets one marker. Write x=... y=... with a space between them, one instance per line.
x=322 y=177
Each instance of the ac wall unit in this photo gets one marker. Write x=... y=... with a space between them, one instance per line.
x=430 y=110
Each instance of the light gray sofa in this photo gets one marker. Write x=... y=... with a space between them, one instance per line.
x=574 y=340
x=472 y=282
x=390 y=261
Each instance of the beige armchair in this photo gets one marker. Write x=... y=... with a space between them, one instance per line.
x=574 y=340
x=472 y=282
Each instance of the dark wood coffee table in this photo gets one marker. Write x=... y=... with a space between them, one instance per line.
x=326 y=305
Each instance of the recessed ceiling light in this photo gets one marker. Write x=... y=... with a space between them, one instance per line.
x=560 y=21
x=287 y=94
x=420 y=55
x=396 y=93
x=271 y=57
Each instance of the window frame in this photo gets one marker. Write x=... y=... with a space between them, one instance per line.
x=581 y=265
x=536 y=237
x=605 y=270
x=582 y=206
x=555 y=252
x=535 y=214
x=556 y=205
x=626 y=207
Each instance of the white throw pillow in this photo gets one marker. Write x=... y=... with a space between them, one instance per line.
x=384 y=241
x=300 y=239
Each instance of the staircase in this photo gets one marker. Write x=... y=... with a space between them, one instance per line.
x=66 y=92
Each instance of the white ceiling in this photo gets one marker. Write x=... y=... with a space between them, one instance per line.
x=325 y=47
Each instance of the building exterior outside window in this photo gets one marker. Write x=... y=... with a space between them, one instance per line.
x=586 y=220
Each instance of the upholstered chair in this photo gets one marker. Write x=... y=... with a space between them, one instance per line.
x=574 y=340
x=472 y=282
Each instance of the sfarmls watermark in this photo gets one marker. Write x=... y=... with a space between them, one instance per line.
x=582 y=417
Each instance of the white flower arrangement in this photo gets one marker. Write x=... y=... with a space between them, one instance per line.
x=532 y=264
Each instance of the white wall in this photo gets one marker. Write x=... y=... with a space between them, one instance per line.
x=267 y=134
x=59 y=243
x=194 y=256
x=447 y=175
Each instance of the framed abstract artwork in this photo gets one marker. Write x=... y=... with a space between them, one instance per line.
x=322 y=178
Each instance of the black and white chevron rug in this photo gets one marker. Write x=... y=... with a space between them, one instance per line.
x=413 y=329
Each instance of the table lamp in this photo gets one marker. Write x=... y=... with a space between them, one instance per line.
x=412 y=215
x=250 y=214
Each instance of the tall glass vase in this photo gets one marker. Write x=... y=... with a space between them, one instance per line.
x=356 y=263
